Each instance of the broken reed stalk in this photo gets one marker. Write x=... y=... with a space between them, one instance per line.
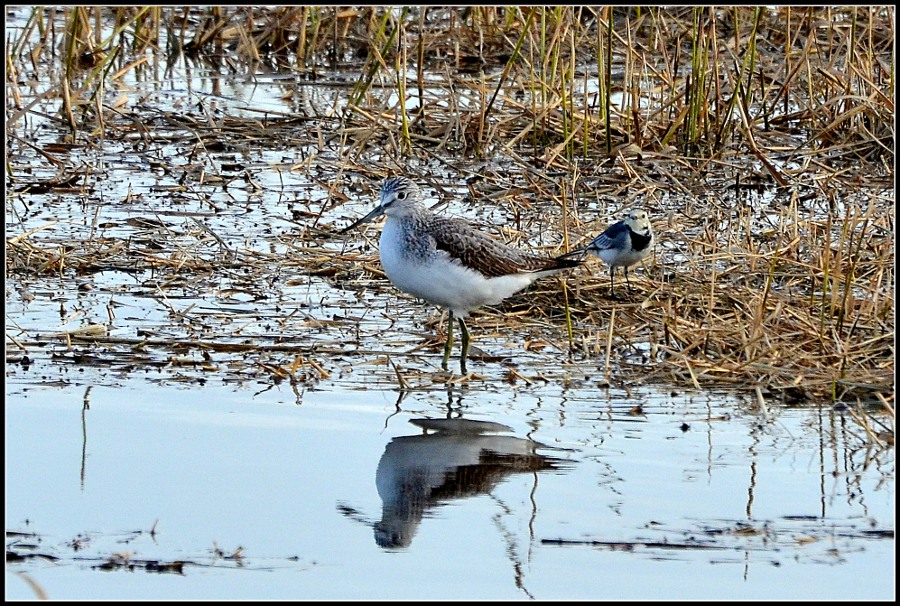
x=610 y=331
x=400 y=70
x=564 y=229
x=605 y=75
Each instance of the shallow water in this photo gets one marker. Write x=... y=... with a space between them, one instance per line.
x=699 y=492
x=242 y=434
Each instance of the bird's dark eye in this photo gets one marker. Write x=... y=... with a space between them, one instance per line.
x=401 y=195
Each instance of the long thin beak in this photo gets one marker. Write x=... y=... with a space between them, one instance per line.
x=376 y=212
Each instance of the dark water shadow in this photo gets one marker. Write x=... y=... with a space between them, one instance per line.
x=452 y=459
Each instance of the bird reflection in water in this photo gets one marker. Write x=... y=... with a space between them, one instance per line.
x=459 y=459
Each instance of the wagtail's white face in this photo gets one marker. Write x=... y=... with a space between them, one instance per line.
x=638 y=221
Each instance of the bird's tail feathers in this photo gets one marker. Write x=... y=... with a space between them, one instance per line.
x=570 y=259
x=574 y=257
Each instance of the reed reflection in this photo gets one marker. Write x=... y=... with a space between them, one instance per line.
x=451 y=459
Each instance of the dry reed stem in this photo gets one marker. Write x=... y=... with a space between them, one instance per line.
x=741 y=290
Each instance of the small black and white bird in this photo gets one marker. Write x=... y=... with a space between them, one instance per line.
x=622 y=244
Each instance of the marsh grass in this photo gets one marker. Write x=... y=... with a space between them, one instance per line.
x=761 y=139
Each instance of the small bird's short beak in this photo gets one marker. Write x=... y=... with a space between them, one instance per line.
x=376 y=212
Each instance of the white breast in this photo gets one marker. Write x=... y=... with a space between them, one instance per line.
x=435 y=277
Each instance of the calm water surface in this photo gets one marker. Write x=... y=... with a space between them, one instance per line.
x=697 y=497
x=121 y=459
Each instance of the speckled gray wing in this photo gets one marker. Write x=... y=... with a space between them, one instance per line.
x=481 y=252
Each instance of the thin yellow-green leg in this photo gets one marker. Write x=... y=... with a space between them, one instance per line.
x=449 y=344
x=465 y=346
